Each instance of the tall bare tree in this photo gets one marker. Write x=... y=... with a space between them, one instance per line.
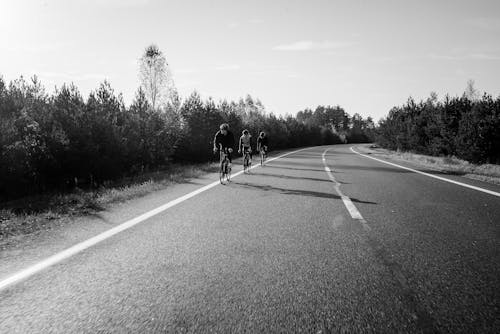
x=471 y=92
x=155 y=76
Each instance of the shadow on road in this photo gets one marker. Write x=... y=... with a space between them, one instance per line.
x=444 y=172
x=298 y=192
x=396 y=170
x=313 y=164
x=293 y=168
x=314 y=156
x=335 y=167
x=296 y=177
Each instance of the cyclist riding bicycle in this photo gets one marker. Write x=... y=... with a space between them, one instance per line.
x=262 y=142
x=245 y=144
x=224 y=139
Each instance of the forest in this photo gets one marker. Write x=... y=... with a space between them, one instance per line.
x=467 y=127
x=60 y=141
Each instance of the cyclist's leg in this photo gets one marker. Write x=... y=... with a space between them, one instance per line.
x=222 y=166
x=230 y=158
x=247 y=154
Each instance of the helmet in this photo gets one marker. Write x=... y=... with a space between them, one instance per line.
x=224 y=126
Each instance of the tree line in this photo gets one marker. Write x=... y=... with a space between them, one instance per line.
x=59 y=141
x=467 y=127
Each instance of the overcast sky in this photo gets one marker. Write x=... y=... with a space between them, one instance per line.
x=366 y=56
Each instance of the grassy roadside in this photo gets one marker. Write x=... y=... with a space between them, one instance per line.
x=33 y=214
x=30 y=215
x=451 y=165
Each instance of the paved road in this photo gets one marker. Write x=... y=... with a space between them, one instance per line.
x=278 y=251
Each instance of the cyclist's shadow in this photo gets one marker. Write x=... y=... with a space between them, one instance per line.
x=296 y=192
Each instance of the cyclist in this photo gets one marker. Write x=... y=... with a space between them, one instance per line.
x=224 y=139
x=245 y=144
x=262 y=142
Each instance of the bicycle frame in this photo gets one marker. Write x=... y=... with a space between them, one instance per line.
x=246 y=160
x=225 y=170
x=263 y=155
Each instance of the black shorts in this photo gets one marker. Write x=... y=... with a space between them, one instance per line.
x=246 y=149
x=229 y=154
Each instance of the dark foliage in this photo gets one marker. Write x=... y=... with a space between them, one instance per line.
x=61 y=141
x=465 y=128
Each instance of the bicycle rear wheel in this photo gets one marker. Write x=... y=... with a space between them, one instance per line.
x=246 y=163
x=222 y=173
x=228 y=173
x=221 y=177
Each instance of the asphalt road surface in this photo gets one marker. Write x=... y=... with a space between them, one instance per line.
x=366 y=247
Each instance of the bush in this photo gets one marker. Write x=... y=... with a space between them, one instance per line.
x=467 y=129
x=62 y=141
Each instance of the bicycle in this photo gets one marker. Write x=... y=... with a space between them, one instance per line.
x=263 y=156
x=247 y=162
x=225 y=169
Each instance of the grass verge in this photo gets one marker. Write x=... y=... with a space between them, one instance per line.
x=32 y=214
x=450 y=165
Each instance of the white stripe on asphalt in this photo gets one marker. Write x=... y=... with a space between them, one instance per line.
x=494 y=193
x=352 y=208
x=54 y=259
x=353 y=211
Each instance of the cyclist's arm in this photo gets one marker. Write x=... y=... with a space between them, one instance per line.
x=216 y=142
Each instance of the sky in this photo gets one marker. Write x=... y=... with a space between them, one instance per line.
x=366 y=56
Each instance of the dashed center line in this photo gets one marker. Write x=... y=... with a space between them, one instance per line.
x=423 y=319
x=353 y=211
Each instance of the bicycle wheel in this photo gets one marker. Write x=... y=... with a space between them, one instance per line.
x=228 y=173
x=245 y=163
x=222 y=173
x=221 y=177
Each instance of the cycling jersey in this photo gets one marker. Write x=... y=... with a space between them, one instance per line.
x=245 y=142
x=261 y=141
x=227 y=141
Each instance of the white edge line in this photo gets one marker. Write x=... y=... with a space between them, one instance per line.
x=58 y=257
x=494 y=193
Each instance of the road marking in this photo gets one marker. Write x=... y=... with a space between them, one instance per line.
x=54 y=259
x=494 y=193
x=353 y=211
x=423 y=320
